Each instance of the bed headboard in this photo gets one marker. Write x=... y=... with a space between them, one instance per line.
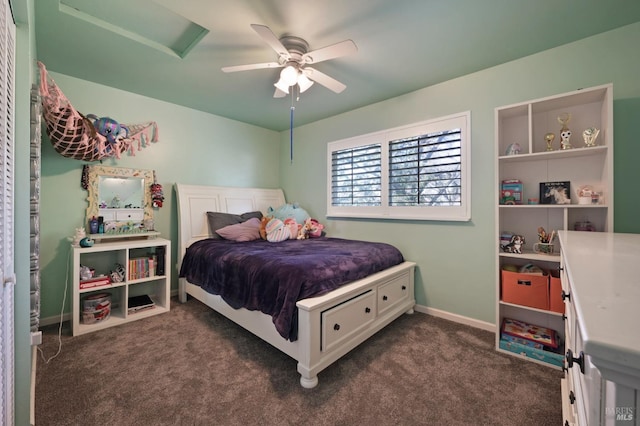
x=194 y=201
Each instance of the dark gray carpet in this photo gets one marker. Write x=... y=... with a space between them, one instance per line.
x=192 y=366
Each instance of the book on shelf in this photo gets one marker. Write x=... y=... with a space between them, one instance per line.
x=98 y=281
x=140 y=303
x=141 y=267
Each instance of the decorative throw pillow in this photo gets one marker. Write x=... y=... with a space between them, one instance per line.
x=246 y=231
x=219 y=220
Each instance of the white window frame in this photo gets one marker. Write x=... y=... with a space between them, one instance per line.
x=460 y=213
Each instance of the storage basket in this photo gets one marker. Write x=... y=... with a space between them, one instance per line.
x=525 y=289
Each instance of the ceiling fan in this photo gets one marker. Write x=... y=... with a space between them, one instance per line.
x=294 y=57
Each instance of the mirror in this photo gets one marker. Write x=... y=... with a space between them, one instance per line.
x=121 y=196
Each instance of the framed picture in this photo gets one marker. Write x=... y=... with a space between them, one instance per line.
x=555 y=193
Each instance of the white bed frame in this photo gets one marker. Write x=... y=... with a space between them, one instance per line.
x=329 y=326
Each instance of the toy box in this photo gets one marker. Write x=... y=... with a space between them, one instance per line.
x=552 y=358
x=544 y=336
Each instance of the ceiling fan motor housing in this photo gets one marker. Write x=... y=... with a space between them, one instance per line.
x=296 y=47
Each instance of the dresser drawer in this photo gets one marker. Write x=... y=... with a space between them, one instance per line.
x=134 y=215
x=340 y=322
x=393 y=292
x=107 y=215
x=568 y=401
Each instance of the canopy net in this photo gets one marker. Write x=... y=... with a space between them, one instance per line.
x=73 y=135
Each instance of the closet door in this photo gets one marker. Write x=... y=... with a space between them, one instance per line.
x=7 y=97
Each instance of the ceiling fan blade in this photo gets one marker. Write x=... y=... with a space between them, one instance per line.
x=270 y=38
x=344 y=48
x=323 y=79
x=249 y=67
x=279 y=93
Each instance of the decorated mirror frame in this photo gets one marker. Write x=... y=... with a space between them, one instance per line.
x=119 y=218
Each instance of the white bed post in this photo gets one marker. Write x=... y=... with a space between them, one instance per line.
x=308 y=334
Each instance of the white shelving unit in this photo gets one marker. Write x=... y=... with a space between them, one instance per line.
x=103 y=257
x=527 y=124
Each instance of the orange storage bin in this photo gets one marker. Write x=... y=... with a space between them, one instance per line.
x=525 y=289
x=556 y=304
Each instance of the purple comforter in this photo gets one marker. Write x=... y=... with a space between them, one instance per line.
x=272 y=277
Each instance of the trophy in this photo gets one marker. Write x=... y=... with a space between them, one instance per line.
x=549 y=137
x=565 y=133
x=590 y=135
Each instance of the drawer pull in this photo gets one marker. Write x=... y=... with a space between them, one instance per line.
x=571 y=359
x=385 y=298
x=524 y=282
x=336 y=327
x=367 y=309
x=572 y=397
x=565 y=296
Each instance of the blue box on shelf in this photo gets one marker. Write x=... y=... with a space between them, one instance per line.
x=552 y=358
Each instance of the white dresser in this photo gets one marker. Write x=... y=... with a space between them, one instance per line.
x=601 y=285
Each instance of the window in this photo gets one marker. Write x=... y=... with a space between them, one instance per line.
x=419 y=172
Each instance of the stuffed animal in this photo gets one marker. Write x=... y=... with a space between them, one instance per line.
x=109 y=128
x=289 y=211
x=277 y=231
x=263 y=227
x=315 y=228
x=295 y=229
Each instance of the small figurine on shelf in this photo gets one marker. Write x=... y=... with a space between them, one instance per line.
x=565 y=133
x=513 y=149
x=77 y=237
x=549 y=137
x=590 y=135
x=515 y=245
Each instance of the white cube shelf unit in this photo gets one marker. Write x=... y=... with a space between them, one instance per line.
x=526 y=124
x=103 y=257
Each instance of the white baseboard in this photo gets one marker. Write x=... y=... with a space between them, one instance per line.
x=456 y=318
x=419 y=308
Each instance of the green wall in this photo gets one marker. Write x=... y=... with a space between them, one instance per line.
x=193 y=148
x=456 y=261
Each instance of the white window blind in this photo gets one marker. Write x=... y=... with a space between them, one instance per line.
x=426 y=170
x=356 y=176
x=418 y=172
x=7 y=72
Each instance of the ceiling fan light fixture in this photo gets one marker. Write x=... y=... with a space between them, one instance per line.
x=282 y=86
x=289 y=75
x=304 y=83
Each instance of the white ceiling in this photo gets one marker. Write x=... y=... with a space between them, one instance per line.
x=174 y=50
